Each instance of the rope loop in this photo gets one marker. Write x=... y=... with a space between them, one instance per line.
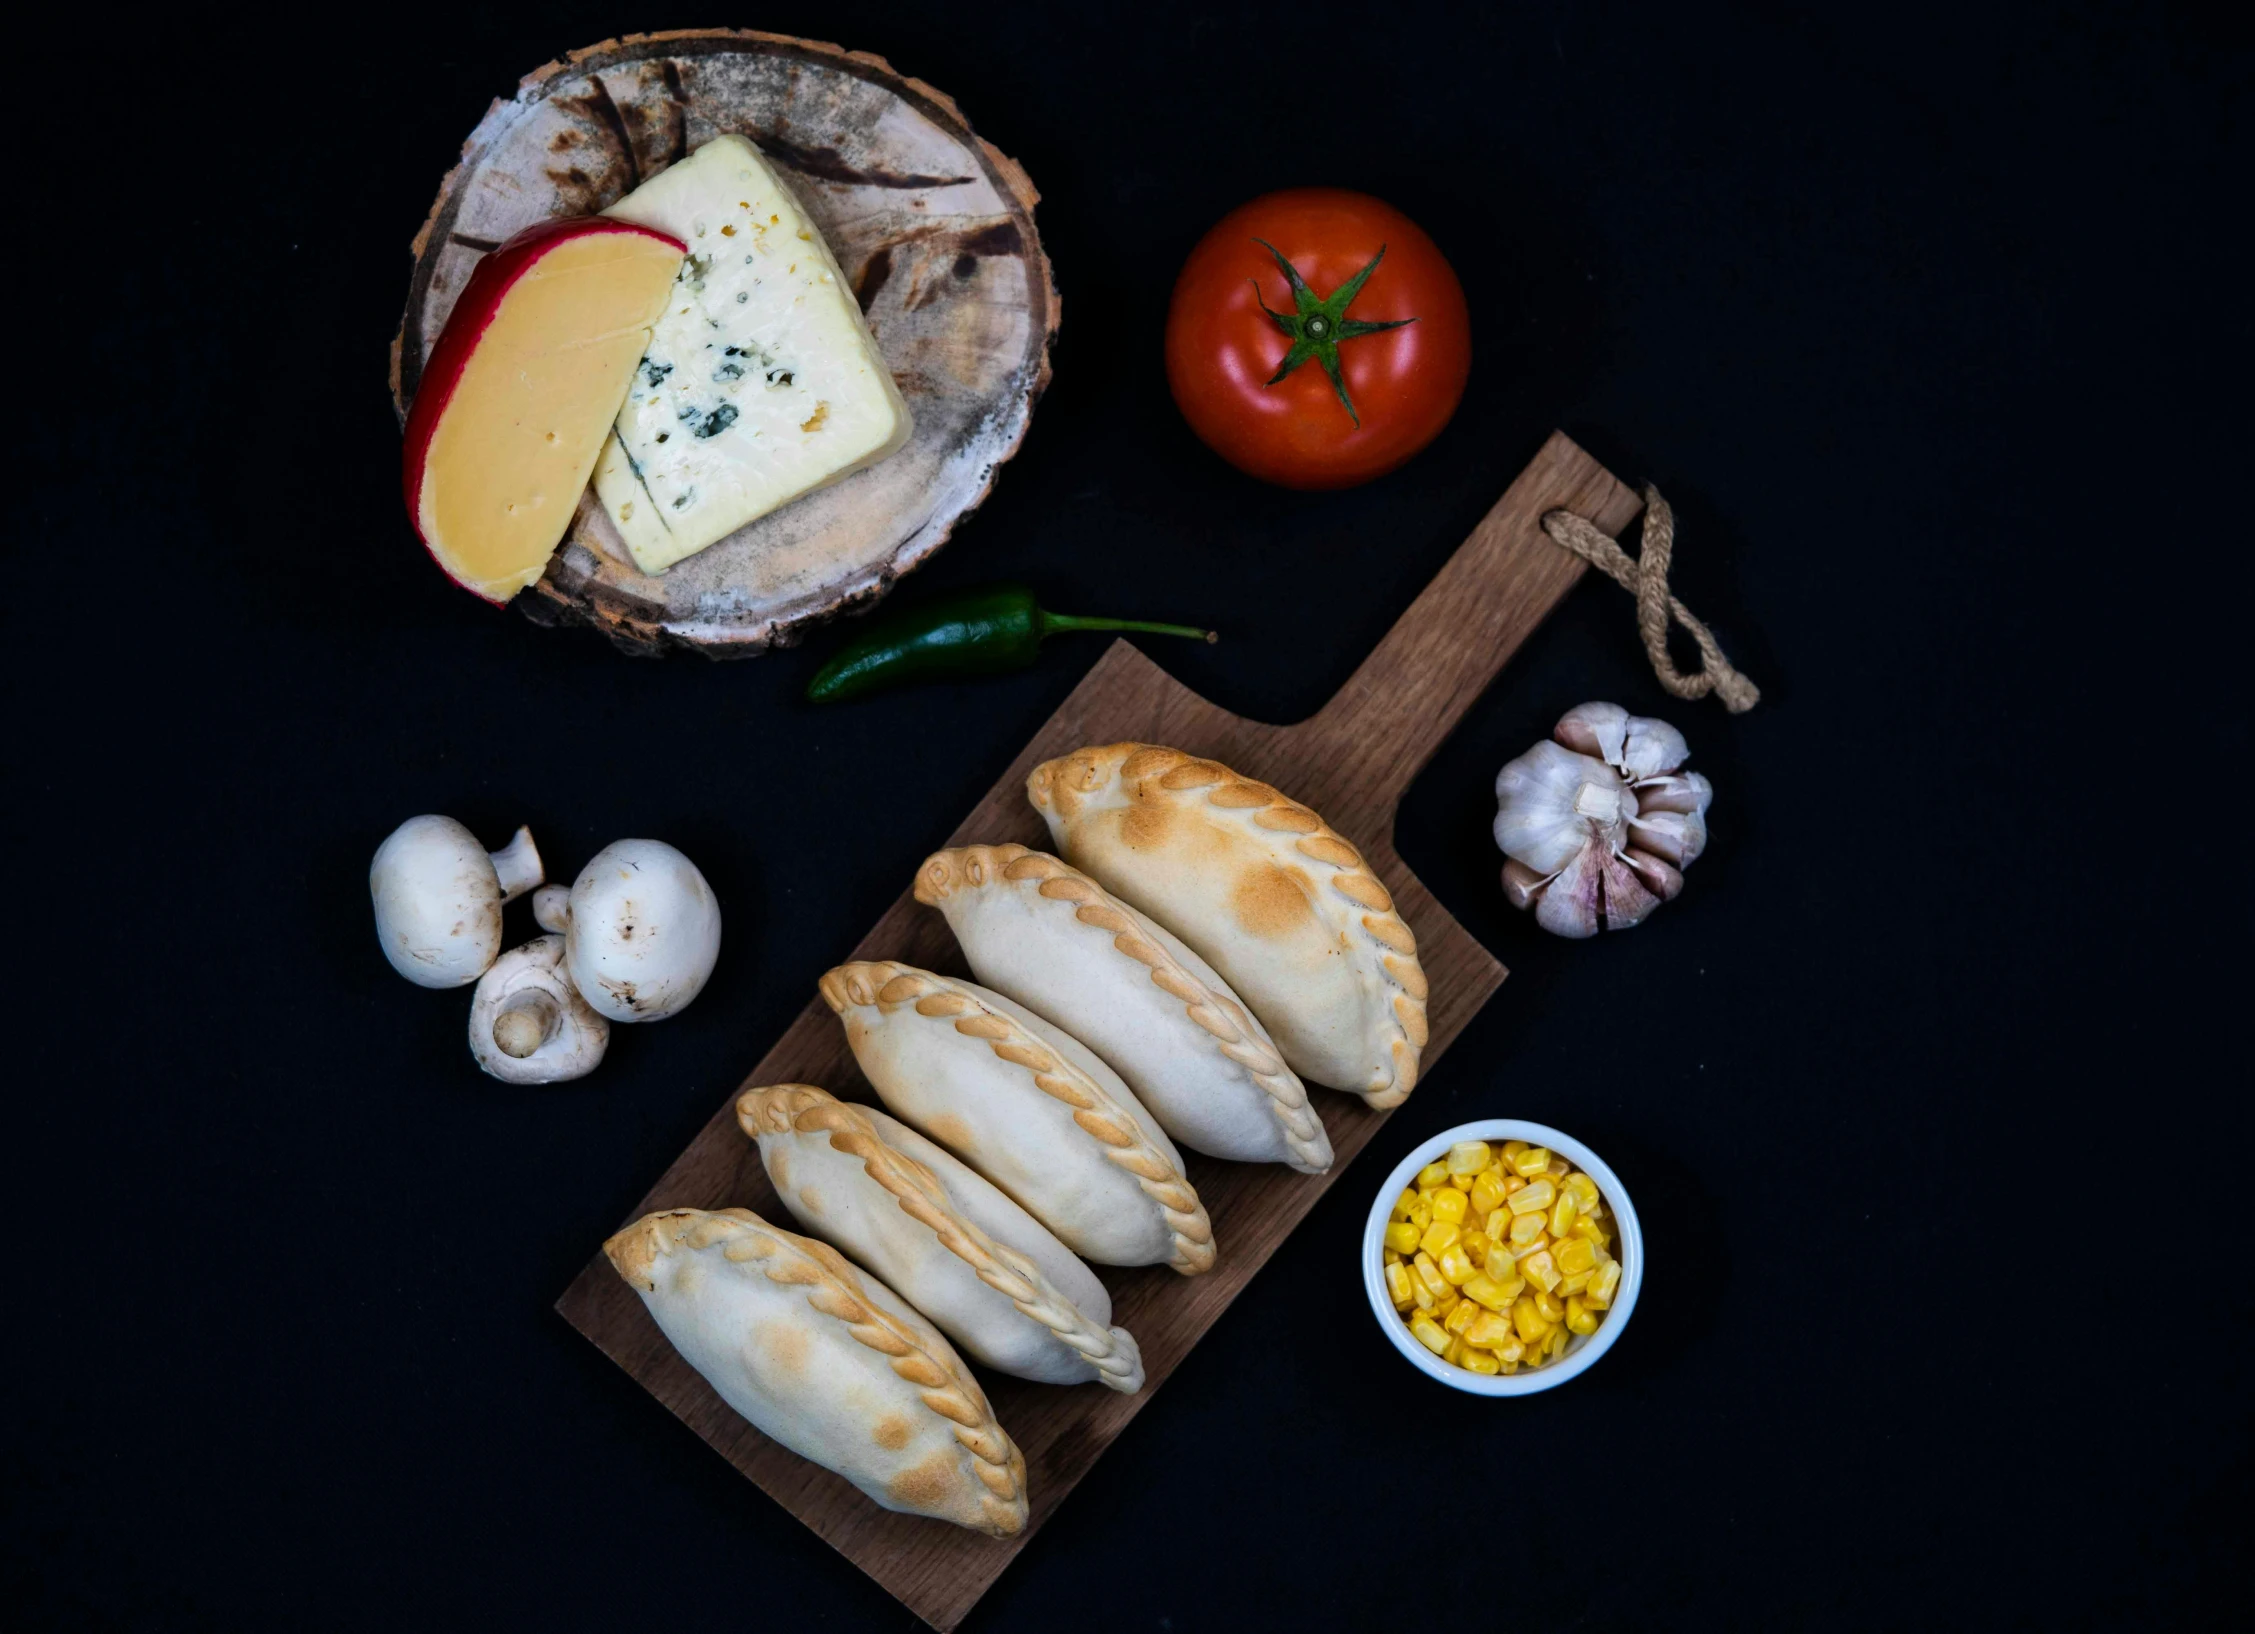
x=1645 y=576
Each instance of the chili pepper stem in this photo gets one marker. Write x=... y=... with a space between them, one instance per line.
x=1052 y=623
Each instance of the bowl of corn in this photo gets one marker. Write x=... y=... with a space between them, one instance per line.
x=1502 y=1257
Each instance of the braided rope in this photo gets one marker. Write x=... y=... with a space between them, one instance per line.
x=806 y=1110
x=1220 y=1015
x=834 y=1289
x=1646 y=577
x=889 y=985
x=1394 y=944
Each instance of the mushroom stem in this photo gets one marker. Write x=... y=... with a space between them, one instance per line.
x=517 y=865
x=552 y=908
x=528 y=1022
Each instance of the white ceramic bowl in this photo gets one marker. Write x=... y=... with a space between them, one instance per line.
x=1582 y=1349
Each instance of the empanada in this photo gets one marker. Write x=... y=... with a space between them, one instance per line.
x=1045 y=934
x=1031 y=1109
x=1282 y=906
x=989 y=1275
x=828 y=1361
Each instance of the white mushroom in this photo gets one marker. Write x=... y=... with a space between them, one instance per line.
x=642 y=930
x=528 y=1024
x=439 y=895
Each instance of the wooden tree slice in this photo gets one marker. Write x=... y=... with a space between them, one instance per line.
x=933 y=228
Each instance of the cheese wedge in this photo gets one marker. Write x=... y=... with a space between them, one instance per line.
x=761 y=382
x=518 y=394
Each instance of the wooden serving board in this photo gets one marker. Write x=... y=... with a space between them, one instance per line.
x=932 y=227
x=1351 y=763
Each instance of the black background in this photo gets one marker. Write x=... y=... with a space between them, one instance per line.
x=1931 y=1089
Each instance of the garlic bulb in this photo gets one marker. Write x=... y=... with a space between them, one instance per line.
x=1598 y=826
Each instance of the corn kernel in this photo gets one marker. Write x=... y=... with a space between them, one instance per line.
x=1429 y=1273
x=1591 y=1231
x=1475 y=1245
x=1583 y=1190
x=1404 y=1203
x=1487 y=1329
x=1602 y=1283
x=1528 y=1321
x=1512 y=1183
x=1541 y=1270
x=1531 y=1161
x=1487 y=1291
x=1430 y=1334
x=1432 y=1175
x=1449 y=1204
x=1439 y=1236
x=1574 y=1256
x=1551 y=1310
x=1421 y=1215
x=1563 y=1213
x=1487 y=1191
x=1402 y=1237
x=1445 y=1306
x=1536 y=1194
x=1554 y=1342
x=1525 y=1228
x=1560 y=1168
x=1469 y=1157
x=1572 y=1285
x=1392 y=1258
x=1512 y=1148
x=1454 y=1355
x=1579 y=1317
x=1397 y=1286
x=1482 y=1362
x=1457 y=1266
x=1465 y=1314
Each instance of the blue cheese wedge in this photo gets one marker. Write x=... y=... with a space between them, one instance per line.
x=761 y=382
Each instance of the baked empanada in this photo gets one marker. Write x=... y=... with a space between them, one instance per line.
x=1282 y=906
x=1044 y=933
x=828 y=1361
x=988 y=1274
x=1029 y=1108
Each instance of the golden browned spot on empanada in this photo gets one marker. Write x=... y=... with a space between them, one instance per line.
x=1145 y=827
x=1272 y=901
x=810 y=1200
x=951 y=1131
x=786 y=1344
x=925 y=1485
x=891 y=1432
x=778 y=1166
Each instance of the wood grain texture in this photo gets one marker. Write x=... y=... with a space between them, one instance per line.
x=932 y=227
x=1351 y=763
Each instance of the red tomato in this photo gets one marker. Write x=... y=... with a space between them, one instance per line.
x=1403 y=380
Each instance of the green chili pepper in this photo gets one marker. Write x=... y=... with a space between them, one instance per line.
x=974 y=632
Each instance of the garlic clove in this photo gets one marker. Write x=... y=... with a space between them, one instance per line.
x=528 y=1024
x=1675 y=791
x=1658 y=877
x=1572 y=903
x=1551 y=801
x=1626 y=902
x=1521 y=884
x=1635 y=745
x=1679 y=836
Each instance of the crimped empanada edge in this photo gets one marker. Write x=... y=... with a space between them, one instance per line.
x=889 y=983
x=1392 y=941
x=834 y=1290
x=1207 y=1010
x=779 y=1108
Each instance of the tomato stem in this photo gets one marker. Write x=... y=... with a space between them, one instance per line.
x=1318 y=324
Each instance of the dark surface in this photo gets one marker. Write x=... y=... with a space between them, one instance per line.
x=1931 y=1089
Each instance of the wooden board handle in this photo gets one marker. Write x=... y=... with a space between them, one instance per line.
x=1408 y=695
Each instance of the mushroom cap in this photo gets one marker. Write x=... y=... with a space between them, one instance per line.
x=644 y=933
x=526 y=993
x=438 y=902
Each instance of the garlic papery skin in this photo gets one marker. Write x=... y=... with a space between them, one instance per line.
x=529 y=1025
x=1598 y=826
